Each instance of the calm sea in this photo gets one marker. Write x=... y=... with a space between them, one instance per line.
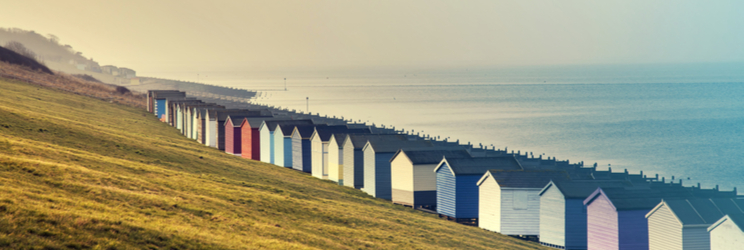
x=684 y=120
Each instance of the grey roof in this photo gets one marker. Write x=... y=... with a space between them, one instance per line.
x=712 y=193
x=737 y=219
x=608 y=175
x=326 y=132
x=492 y=153
x=701 y=211
x=159 y=94
x=255 y=122
x=376 y=130
x=526 y=178
x=326 y=120
x=432 y=155
x=479 y=165
x=288 y=128
x=340 y=138
x=237 y=120
x=392 y=146
x=644 y=198
x=306 y=131
x=183 y=101
x=222 y=114
x=580 y=173
x=359 y=140
x=728 y=205
x=273 y=124
x=580 y=189
x=201 y=104
x=202 y=111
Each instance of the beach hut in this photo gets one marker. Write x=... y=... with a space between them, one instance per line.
x=269 y=142
x=727 y=233
x=179 y=113
x=509 y=200
x=283 y=142
x=562 y=211
x=354 y=157
x=234 y=135
x=413 y=180
x=336 y=157
x=203 y=122
x=457 y=184
x=210 y=129
x=616 y=217
x=320 y=144
x=251 y=138
x=301 y=147
x=157 y=99
x=683 y=223
x=221 y=117
x=194 y=117
x=377 y=155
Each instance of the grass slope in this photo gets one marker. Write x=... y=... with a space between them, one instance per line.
x=78 y=172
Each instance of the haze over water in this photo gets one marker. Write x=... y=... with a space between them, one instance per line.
x=684 y=120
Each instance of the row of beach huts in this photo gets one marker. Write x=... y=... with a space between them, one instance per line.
x=560 y=204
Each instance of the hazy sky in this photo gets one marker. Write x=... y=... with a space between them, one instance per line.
x=263 y=35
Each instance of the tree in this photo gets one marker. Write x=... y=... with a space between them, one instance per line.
x=54 y=39
x=20 y=49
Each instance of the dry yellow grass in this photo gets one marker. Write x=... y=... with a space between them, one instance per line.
x=65 y=82
x=82 y=173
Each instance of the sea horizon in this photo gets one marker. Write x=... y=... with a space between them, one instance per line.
x=663 y=120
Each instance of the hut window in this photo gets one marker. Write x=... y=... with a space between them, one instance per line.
x=520 y=200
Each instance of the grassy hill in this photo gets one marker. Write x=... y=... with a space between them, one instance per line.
x=79 y=172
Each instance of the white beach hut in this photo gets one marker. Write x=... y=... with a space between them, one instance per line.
x=683 y=223
x=727 y=233
x=509 y=200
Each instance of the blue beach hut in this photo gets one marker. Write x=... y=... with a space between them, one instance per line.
x=377 y=156
x=414 y=182
x=301 y=147
x=457 y=184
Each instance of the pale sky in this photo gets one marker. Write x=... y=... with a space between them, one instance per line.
x=308 y=34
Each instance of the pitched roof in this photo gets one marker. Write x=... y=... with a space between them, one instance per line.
x=235 y=120
x=737 y=219
x=580 y=189
x=699 y=211
x=160 y=94
x=638 y=198
x=359 y=140
x=306 y=131
x=392 y=146
x=326 y=132
x=255 y=122
x=273 y=124
x=526 y=178
x=288 y=128
x=479 y=165
x=728 y=205
x=376 y=130
x=432 y=155
x=202 y=111
x=222 y=114
x=340 y=138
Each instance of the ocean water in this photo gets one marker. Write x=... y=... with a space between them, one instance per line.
x=684 y=120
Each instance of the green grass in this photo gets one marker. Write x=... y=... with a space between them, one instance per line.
x=81 y=173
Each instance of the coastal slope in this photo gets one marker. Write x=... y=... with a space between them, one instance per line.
x=80 y=172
